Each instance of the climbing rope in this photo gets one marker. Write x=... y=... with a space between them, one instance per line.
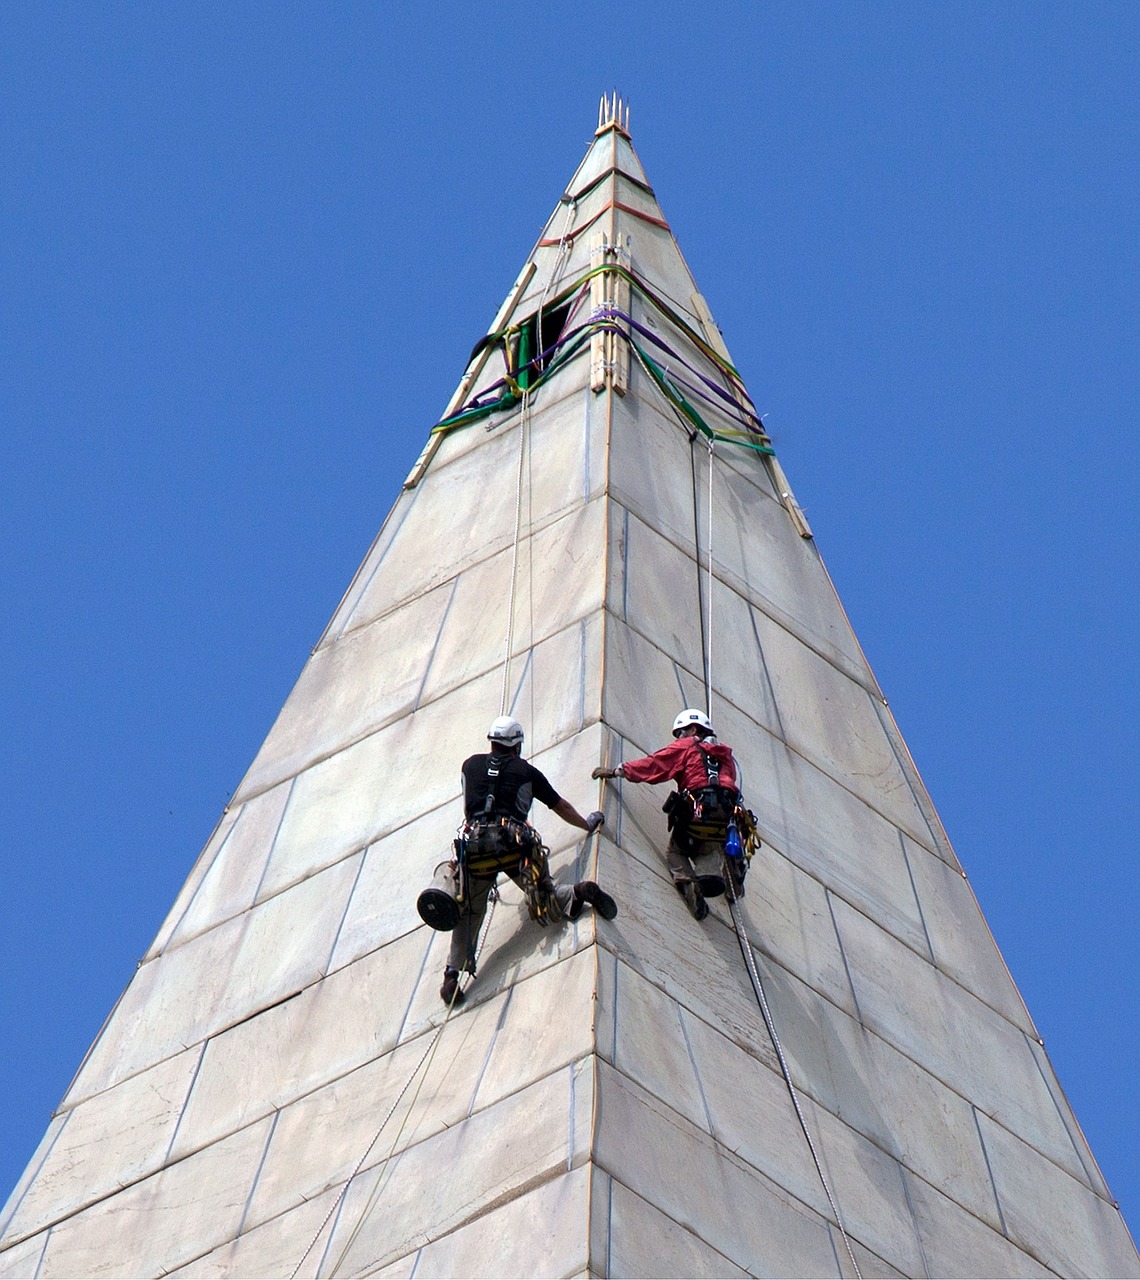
x=762 y=1001
x=428 y=1054
x=741 y=936
x=697 y=562
x=734 y=403
x=524 y=375
x=509 y=644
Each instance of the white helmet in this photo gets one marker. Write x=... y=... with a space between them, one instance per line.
x=692 y=716
x=507 y=730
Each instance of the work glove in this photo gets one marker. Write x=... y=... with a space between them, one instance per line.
x=594 y=821
x=599 y=772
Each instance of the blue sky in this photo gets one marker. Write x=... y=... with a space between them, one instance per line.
x=244 y=252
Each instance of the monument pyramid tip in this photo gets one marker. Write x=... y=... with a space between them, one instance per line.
x=833 y=1075
x=613 y=113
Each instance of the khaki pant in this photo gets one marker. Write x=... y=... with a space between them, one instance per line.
x=704 y=863
x=465 y=935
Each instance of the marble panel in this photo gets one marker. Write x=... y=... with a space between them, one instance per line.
x=951 y=1033
x=350 y=800
x=655 y=579
x=107 y=1142
x=568 y=383
x=1092 y=1174
x=744 y=1105
x=559 y=578
x=667 y=1161
x=465 y=508
x=31 y=1171
x=934 y=834
x=19 y=1261
x=385 y=535
x=351 y=687
x=696 y=964
x=165 y=1220
x=787 y=916
x=959 y=1246
x=387 y=1205
x=740 y=669
x=224 y=975
x=756 y=543
x=625 y=159
x=495 y=1045
x=545 y=1024
x=329 y=1029
x=637 y=1239
x=231 y=882
x=396 y=868
x=275 y=1248
x=960 y=939
x=645 y=687
x=657 y=260
x=644 y=1033
x=542 y=1233
x=558 y=696
x=881 y=1093
x=454 y=518
x=868 y=1186
x=599 y=159
x=650 y=463
x=186 y=894
x=1056 y=1218
x=829 y=718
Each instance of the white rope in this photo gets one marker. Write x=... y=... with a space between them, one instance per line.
x=429 y=1052
x=742 y=937
x=524 y=424
x=758 y=988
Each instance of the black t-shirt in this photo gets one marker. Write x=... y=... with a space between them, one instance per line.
x=516 y=786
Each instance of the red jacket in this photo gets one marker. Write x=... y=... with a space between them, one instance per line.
x=683 y=762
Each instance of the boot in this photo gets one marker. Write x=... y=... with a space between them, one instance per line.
x=587 y=891
x=450 y=993
x=694 y=899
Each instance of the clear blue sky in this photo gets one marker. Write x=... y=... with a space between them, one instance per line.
x=244 y=252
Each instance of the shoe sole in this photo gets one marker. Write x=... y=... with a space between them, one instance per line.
x=698 y=907
x=604 y=905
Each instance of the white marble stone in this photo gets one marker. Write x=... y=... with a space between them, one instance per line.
x=960 y=939
x=956 y=1037
x=1053 y=1216
x=666 y=1160
x=235 y=873
x=637 y=1239
x=222 y=976
x=541 y=1233
x=139 y=1117
x=164 y=1221
x=198 y=872
x=389 y=1204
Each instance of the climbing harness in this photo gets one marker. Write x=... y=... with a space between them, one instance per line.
x=425 y=1063
x=492 y=846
